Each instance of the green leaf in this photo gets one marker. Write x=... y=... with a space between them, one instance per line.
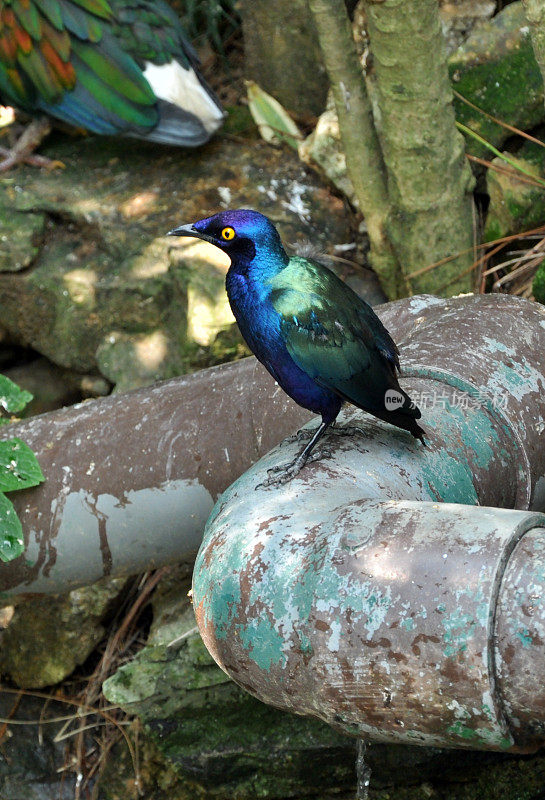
x=274 y=123
x=12 y=398
x=11 y=531
x=19 y=468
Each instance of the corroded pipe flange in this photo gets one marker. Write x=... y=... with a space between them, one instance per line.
x=520 y=638
x=378 y=617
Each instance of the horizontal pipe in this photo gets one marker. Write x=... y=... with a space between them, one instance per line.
x=378 y=590
x=131 y=478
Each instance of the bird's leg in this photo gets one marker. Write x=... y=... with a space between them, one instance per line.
x=304 y=455
x=334 y=430
x=278 y=475
x=300 y=436
x=23 y=149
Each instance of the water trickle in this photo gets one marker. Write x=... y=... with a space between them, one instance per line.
x=363 y=772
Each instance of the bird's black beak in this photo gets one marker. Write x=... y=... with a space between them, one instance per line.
x=183 y=230
x=190 y=230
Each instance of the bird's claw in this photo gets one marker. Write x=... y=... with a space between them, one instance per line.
x=22 y=151
x=283 y=474
x=323 y=453
x=12 y=158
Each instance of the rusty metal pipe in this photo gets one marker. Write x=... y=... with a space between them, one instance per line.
x=131 y=479
x=394 y=591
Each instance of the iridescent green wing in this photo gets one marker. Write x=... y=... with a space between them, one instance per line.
x=333 y=335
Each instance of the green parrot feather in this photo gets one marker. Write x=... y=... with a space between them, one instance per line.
x=96 y=64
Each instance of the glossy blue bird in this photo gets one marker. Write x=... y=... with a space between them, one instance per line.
x=321 y=342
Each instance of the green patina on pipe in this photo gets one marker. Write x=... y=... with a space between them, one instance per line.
x=371 y=590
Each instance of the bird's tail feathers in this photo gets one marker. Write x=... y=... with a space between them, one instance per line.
x=398 y=401
x=186 y=96
x=401 y=411
x=176 y=127
x=413 y=427
x=402 y=420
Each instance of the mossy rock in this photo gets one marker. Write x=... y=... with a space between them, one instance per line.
x=496 y=70
x=516 y=205
x=42 y=646
x=496 y=779
x=21 y=233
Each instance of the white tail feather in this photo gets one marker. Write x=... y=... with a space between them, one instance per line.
x=173 y=83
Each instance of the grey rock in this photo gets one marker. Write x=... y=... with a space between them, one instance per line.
x=51 y=386
x=460 y=17
x=283 y=53
x=103 y=290
x=31 y=759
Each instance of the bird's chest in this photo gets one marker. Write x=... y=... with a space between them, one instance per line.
x=259 y=323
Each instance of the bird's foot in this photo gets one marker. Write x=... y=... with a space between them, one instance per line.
x=10 y=158
x=283 y=474
x=279 y=475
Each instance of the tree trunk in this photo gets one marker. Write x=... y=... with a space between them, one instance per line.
x=364 y=161
x=429 y=180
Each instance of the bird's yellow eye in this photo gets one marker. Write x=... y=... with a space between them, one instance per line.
x=228 y=234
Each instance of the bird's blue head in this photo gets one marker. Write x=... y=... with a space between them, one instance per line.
x=240 y=233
